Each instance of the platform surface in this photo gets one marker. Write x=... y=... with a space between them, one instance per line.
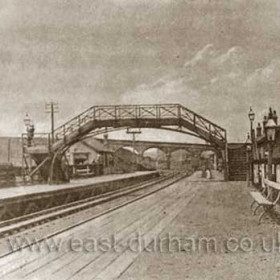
x=138 y=240
x=12 y=192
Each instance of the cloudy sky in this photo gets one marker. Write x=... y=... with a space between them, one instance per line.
x=216 y=57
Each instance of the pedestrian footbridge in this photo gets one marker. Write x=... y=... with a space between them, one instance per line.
x=100 y=119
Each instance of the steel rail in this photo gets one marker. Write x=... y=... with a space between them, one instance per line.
x=169 y=180
x=20 y=223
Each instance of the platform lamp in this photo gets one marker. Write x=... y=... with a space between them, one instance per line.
x=270 y=131
x=248 y=144
x=134 y=132
x=27 y=121
x=29 y=129
x=251 y=116
x=105 y=142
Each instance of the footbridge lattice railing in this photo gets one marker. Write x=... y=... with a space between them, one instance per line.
x=117 y=113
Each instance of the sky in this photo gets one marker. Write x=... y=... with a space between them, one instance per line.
x=215 y=57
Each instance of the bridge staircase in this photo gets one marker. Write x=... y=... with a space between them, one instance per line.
x=238 y=162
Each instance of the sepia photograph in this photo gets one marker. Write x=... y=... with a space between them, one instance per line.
x=139 y=139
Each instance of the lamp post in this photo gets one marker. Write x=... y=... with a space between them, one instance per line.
x=248 y=144
x=134 y=132
x=105 y=136
x=251 y=116
x=52 y=108
x=270 y=131
x=27 y=121
x=29 y=129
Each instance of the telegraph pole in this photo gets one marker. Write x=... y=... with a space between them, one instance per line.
x=133 y=132
x=52 y=108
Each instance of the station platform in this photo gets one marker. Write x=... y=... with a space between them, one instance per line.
x=194 y=229
x=22 y=200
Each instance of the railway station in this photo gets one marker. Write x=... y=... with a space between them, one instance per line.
x=131 y=222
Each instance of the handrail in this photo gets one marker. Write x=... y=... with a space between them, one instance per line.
x=269 y=186
x=197 y=115
x=272 y=184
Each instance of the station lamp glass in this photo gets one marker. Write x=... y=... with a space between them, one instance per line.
x=27 y=120
x=270 y=129
x=248 y=143
x=251 y=115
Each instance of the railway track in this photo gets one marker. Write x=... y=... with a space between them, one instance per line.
x=131 y=193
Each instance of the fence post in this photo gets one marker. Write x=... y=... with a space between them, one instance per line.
x=157 y=112
x=64 y=134
x=93 y=112
x=210 y=131
x=179 y=111
x=179 y=115
x=115 y=112
x=49 y=142
x=79 y=121
x=226 y=169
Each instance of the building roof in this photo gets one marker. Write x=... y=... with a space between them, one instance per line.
x=96 y=145
x=133 y=151
x=11 y=150
x=207 y=154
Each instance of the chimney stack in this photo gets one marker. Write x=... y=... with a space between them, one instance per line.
x=265 y=119
x=259 y=130
x=270 y=114
x=275 y=117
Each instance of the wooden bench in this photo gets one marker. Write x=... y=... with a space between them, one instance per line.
x=266 y=198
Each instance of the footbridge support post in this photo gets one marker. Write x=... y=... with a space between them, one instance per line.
x=52 y=168
x=58 y=169
x=168 y=159
x=226 y=169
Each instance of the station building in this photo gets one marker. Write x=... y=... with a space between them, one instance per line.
x=263 y=148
